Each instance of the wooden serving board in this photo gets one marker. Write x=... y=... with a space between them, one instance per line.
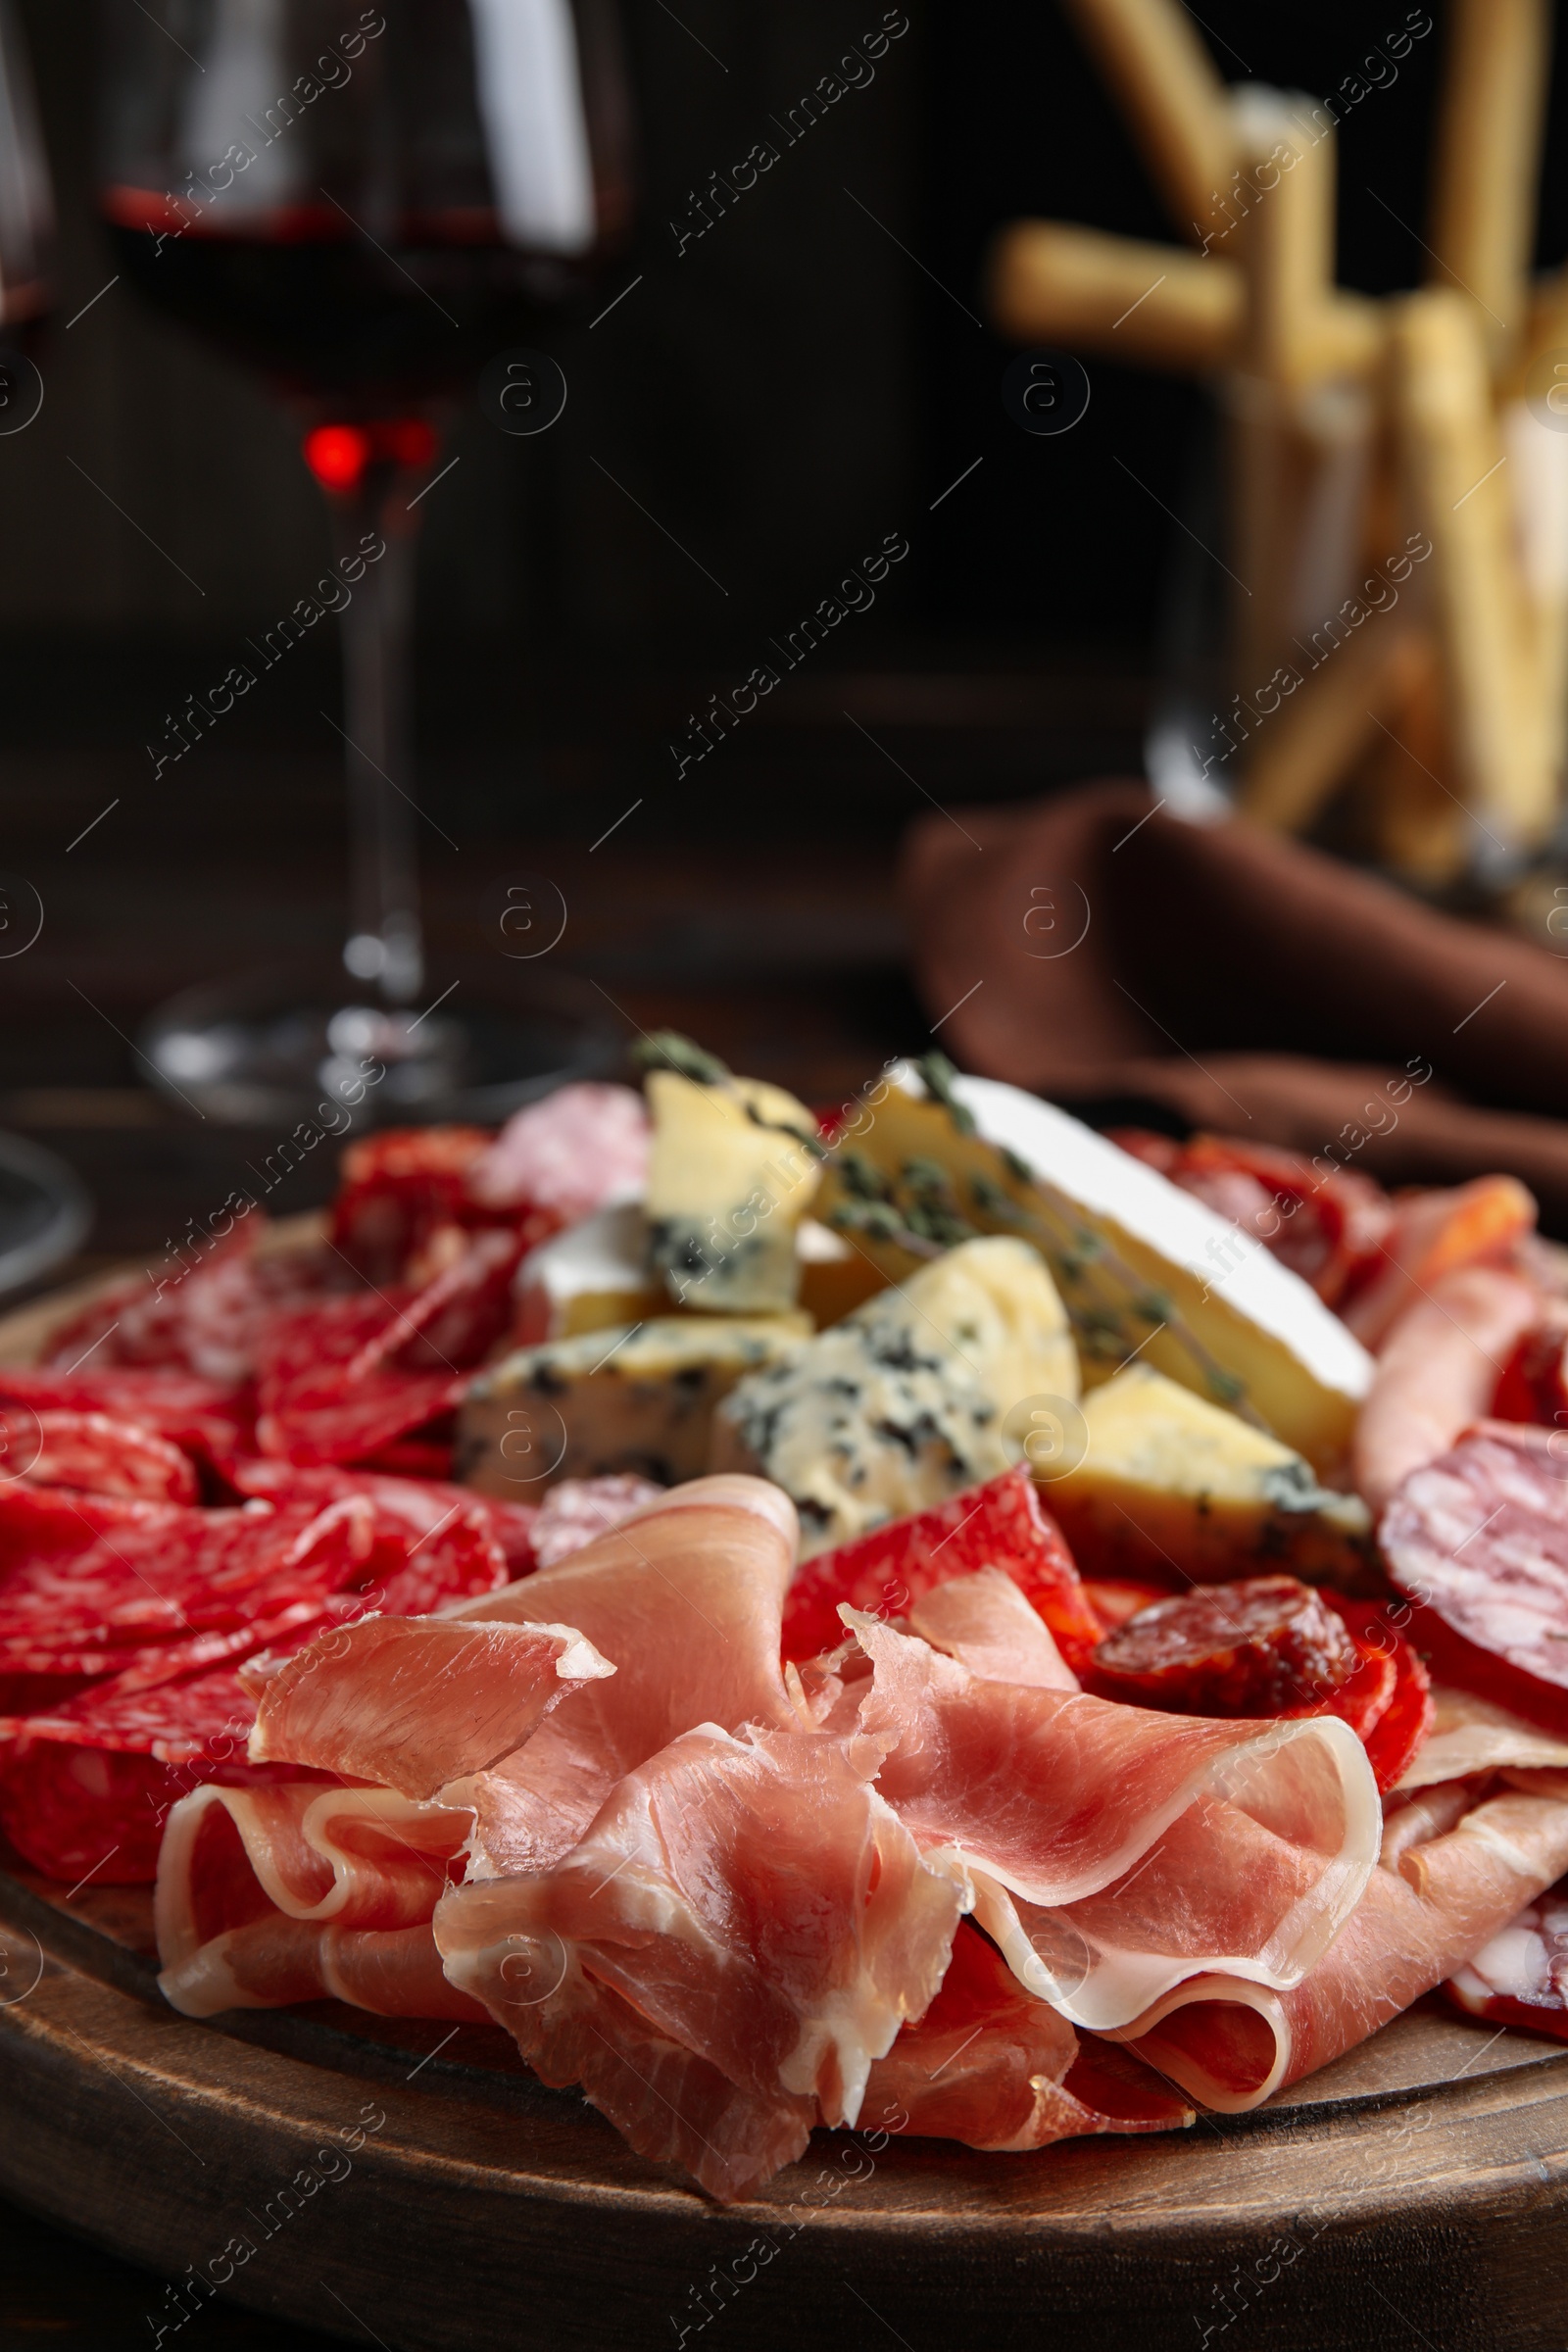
x=410 y=2184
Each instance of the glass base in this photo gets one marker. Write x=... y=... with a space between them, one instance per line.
x=249 y=1054
x=45 y=1212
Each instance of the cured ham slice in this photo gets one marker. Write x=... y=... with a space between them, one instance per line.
x=411 y=1703
x=1471 y=1736
x=1436 y=1374
x=1116 y=1850
x=262 y=1892
x=755 y=1901
x=1231 y=2043
x=991 y=2065
x=686 y=1596
x=985 y=1622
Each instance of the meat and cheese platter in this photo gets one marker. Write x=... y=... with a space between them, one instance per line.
x=972 y=1708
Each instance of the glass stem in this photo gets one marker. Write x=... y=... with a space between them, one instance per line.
x=386 y=941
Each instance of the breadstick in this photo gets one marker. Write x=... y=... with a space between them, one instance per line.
x=1488 y=158
x=1172 y=94
x=1297 y=758
x=1453 y=454
x=1152 y=306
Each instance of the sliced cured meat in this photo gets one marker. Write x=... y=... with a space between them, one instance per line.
x=759 y=1905
x=1327 y=1224
x=56 y=1447
x=1231 y=2043
x=329 y=1392
x=203 y=1570
x=578 y=1509
x=583 y=1148
x=1479 y=1539
x=1472 y=1736
x=1115 y=1850
x=197 y=1723
x=1534 y=1386
x=241 y=1869
x=992 y=2066
x=1394 y=1726
x=397 y=1189
x=1520 y=1975
x=1000 y=1525
x=99 y=1812
x=433 y=1543
x=208 y=1419
x=1426 y=1813
x=1115 y=1598
x=1437 y=1373
x=54 y=1523
x=1434 y=1236
x=1258 y=1647
x=686 y=1597
x=984 y=1621
x=411 y=1703
x=206 y=1315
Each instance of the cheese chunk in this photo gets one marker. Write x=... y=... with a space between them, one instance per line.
x=1139 y=1263
x=640 y=1398
x=1170 y=1481
x=589 y=1278
x=731 y=1172
x=903 y=1402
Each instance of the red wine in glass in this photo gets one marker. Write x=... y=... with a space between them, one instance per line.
x=366 y=210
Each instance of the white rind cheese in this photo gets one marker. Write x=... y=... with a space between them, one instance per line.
x=590 y=1278
x=1144 y=1268
x=904 y=1403
x=640 y=1398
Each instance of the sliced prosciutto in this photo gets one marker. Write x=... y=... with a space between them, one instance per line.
x=985 y=1622
x=992 y=2066
x=1231 y=2043
x=411 y=1703
x=1115 y=1850
x=686 y=1597
x=262 y=1894
x=756 y=1902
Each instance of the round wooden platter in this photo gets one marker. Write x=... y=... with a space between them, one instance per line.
x=410 y=2184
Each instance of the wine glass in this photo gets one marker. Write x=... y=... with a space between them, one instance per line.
x=367 y=207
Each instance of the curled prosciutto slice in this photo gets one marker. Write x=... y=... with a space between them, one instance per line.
x=755 y=1901
x=411 y=1703
x=686 y=1596
x=1231 y=2043
x=1437 y=1373
x=991 y=2065
x=258 y=1889
x=1115 y=1850
x=985 y=1622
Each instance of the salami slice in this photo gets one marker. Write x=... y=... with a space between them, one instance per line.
x=1519 y=1977
x=1000 y=1525
x=204 y=1313
x=580 y=1150
x=52 y=1523
x=1258 y=1648
x=207 y=1419
x=578 y=1509
x=96 y=1452
x=398 y=1187
x=1479 y=1540
x=433 y=1543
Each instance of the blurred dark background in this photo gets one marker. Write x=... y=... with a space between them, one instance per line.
x=802 y=382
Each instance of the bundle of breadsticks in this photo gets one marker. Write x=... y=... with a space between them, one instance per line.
x=1419 y=441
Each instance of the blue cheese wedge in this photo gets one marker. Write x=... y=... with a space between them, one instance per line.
x=1169 y=1481
x=638 y=1398
x=903 y=1402
x=733 y=1167
x=1141 y=1264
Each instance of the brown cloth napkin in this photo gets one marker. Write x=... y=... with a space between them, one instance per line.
x=1099 y=950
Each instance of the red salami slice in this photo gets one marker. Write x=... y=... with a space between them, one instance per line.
x=98 y=1811
x=96 y=1452
x=1263 y=1647
x=207 y=1419
x=1519 y=1977
x=433 y=1543
x=1479 y=1540
x=1000 y=1525
x=44 y=1523
x=398 y=1187
x=203 y=1310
